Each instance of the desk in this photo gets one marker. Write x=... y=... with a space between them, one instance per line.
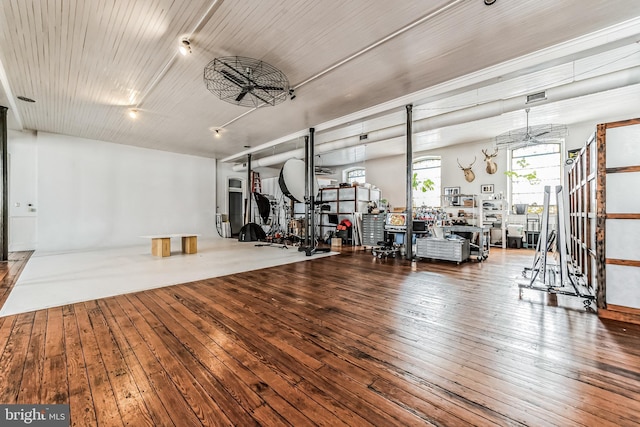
x=161 y=244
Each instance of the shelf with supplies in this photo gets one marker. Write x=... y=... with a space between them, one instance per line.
x=495 y=214
x=392 y=226
x=463 y=209
x=344 y=203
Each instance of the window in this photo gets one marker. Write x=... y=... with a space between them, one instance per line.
x=355 y=175
x=542 y=164
x=427 y=169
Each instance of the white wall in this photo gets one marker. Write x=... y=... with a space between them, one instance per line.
x=94 y=194
x=388 y=173
x=453 y=176
x=578 y=135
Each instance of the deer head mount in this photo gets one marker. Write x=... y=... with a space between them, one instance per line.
x=492 y=167
x=468 y=173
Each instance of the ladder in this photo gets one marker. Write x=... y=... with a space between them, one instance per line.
x=256 y=183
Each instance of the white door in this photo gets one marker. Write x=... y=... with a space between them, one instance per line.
x=22 y=176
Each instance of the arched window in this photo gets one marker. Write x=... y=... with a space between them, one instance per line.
x=534 y=167
x=355 y=175
x=427 y=184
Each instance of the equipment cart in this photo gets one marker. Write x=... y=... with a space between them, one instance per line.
x=480 y=250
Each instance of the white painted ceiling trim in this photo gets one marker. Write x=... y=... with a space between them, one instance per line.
x=87 y=64
x=385 y=39
x=201 y=22
x=598 y=39
x=614 y=80
x=10 y=97
x=341 y=63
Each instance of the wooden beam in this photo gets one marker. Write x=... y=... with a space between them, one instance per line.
x=623 y=215
x=627 y=262
x=623 y=169
x=601 y=214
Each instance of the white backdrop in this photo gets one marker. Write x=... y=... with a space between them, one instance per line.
x=95 y=194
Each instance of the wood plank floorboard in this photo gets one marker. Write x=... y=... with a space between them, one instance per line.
x=346 y=340
x=9 y=272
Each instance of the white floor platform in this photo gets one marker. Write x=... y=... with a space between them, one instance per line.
x=52 y=279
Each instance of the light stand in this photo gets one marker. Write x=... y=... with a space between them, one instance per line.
x=309 y=211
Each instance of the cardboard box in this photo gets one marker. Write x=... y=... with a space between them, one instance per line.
x=336 y=242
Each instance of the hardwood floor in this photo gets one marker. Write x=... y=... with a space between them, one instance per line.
x=343 y=340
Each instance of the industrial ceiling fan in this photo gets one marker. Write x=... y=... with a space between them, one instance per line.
x=531 y=135
x=246 y=81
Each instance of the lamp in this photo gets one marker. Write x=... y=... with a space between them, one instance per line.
x=218 y=133
x=184 y=47
x=133 y=113
x=489 y=2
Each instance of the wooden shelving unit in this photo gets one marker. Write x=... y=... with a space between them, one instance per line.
x=582 y=211
x=605 y=218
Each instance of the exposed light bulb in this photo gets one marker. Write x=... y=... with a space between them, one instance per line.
x=184 y=47
x=133 y=113
x=218 y=133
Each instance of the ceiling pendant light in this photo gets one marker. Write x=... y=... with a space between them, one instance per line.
x=184 y=47
x=133 y=113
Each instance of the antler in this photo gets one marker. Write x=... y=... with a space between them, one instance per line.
x=468 y=167
x=489 y=156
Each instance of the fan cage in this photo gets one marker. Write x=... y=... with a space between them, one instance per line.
x=246 y=81
x=537 y=134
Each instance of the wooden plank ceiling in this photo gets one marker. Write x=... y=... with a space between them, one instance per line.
x=87 y=63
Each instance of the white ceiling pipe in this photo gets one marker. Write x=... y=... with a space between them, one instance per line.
x=377 y=135
x=615 y=80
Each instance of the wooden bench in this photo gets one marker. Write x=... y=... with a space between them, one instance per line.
x=161 y=244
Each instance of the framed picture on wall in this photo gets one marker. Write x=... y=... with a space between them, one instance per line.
x=572 y=154
x=449 y=192
x=486 y=189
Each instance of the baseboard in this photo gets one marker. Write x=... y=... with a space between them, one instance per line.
x=621 y=313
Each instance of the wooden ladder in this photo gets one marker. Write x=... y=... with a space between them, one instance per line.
x=256 y=183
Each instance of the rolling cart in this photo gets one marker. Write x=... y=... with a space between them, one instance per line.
x=480 y=250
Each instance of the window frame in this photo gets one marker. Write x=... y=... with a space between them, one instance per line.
x=347 y=172
x=438 y=183
x=510 y=156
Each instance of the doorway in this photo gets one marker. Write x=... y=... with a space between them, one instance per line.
x=236 y=205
